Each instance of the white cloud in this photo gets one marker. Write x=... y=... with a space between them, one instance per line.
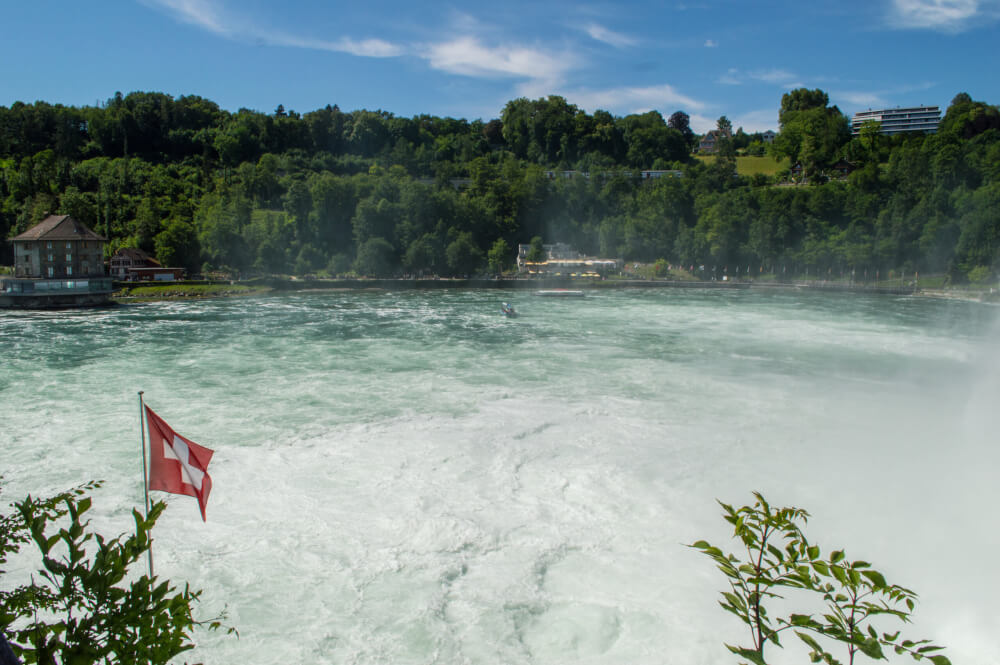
x=884 y=98
x=616 y=39
x=751 y=121
x=756 y=121
x=943 y=15
x=711 y=43
x=470 y=57
x=633 y=99
x=776 y=76
x=702 y=124
x=371 y=48
x=207 y=16
x=863 y=99
x=196 y=12
x=731 y=77
x=542 y=69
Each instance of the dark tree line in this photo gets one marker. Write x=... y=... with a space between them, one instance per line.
x=369 y=192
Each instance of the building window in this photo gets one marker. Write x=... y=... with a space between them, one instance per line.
x=50 y=257
x=48 y=245
x=51 y=271
x=69 y=270
x=27 y=245
x=69 y=245
x=86 y=268
x=69 y=257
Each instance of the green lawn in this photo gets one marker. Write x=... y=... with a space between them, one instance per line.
x=752 y=165
x=175 y=291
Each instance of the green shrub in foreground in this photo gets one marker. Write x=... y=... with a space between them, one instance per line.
x=81 y=608
x=848 y=597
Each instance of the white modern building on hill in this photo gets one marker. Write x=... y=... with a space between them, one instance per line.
x=899 y=120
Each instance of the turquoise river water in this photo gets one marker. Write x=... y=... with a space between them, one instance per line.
x=412 y=478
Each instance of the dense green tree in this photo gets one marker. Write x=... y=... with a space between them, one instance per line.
x=284 y=192
x=177 y=245
x=376 y=258
x=499 y=256
x=424 y=256
x=811 y=132
x=681 y=121
x=536 y=253
x=463 y=255
x=966 y=118
x=220 y=226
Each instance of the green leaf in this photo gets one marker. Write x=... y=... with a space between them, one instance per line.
x=870 y=648
x=752 y=655
x=810 y=641
x=734 y=600
x=876 y=578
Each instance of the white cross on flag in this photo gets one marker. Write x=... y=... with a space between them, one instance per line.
x=176 y=464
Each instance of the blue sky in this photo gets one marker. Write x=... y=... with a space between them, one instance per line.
x=705 y=57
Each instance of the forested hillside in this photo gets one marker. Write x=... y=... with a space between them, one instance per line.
x=367 y=192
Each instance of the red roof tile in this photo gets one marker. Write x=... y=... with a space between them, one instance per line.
x=59 y=227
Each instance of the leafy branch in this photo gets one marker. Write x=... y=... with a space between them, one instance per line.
x=778 y=556
x=81 y=607
x=768 y=568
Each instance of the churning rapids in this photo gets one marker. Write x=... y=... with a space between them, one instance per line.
x=414 y=478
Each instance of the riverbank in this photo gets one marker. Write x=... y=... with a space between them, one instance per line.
x=129 y=293
x=185 y=291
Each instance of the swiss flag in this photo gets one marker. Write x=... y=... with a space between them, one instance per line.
x=176 y=464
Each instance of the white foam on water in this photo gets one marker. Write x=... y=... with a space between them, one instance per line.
x=415 y=479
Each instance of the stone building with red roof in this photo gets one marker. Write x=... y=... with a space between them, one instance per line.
x=59 y=262
x=57 y=247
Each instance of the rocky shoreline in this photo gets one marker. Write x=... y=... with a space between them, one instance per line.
x=128 y=293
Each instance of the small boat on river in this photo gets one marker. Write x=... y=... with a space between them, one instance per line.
x=508 y=310
x=564 y=293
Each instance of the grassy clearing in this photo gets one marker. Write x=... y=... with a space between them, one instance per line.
x=752 y=165
x=181 y=291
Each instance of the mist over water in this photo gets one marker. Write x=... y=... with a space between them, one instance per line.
x=413 y=478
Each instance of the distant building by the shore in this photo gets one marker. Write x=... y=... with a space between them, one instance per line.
x=130 y=264
x=58 y=246
x=562 y=259
x=59 y=262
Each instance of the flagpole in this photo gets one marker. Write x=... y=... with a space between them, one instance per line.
x=145 y=480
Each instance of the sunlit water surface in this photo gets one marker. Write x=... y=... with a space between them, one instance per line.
x=413 y=478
